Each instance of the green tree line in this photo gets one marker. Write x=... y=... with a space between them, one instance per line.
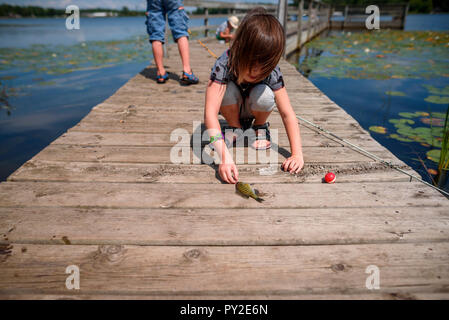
x=7 y=10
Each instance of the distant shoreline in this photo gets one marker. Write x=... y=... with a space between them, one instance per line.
x=143 y=14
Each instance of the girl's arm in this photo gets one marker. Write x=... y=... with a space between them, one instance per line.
x=296 y=161
x=226 y=34
x=214 y=96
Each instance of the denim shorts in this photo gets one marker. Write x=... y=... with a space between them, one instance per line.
x=261 y=98
x=177 y=19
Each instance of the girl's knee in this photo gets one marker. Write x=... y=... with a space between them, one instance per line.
x=232 y=95
x=261 y=98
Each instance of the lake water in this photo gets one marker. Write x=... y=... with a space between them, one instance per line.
x=51 y=78
x=394 y=83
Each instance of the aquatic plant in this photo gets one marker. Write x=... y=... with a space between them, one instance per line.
x=391 y=55
x=395 y=93
x=378 y=129
x=56 y=60
x=443 y=162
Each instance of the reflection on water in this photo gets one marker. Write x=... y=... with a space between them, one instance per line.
x=4 y=97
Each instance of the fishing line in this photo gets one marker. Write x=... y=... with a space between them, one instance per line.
x=367 y=153
x=199 y=41
x=373 y=156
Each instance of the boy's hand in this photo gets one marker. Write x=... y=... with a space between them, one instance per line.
x=226 y=171
x=293 y=164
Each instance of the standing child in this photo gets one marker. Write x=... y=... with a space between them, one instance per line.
x=224 y=30
x=245 y=84
x=178 y=20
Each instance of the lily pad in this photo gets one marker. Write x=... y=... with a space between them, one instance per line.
x=433 y=155
x=395 y=93
x=408 y=115
x=437 y=99
x=433 y=121
x=401 y=121
x=437 y=91
x=398 y=137
x=378 y=129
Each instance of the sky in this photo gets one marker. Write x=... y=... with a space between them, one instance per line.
x=110 y=4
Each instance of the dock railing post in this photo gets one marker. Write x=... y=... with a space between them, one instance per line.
x=300 y=13
x=206 y=21
x=309 y=19
x=282 y=13
x=282 y=16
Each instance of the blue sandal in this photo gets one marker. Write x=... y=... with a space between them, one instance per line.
x=187 y=78
x=162 y=78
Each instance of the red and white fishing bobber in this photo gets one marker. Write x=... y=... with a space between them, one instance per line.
x=330 y=177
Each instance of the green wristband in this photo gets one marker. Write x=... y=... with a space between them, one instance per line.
x=217 y=137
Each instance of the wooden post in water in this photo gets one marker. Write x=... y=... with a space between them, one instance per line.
x=329 y=16
x=346 y=16
x=300 y=13
x=309 y=21
x=206 y=21
x=404 y=16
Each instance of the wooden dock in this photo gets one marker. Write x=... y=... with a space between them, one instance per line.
x=105 y=197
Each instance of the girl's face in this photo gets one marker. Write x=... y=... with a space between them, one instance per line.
x=253 y=75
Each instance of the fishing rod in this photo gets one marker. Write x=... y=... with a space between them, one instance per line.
x=199 y=41
x=367 y=153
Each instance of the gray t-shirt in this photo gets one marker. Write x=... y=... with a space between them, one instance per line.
x=220 y=73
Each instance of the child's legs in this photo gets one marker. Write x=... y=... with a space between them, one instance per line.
x=156 y=31
x=261 y=102
x=230 y=105
x=179 y=25
x=183 y=47
x=158 y=53
x=156 y=21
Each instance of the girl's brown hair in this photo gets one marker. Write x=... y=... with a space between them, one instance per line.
x=259 y=40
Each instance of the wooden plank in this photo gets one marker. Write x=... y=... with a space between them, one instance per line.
x=161 y=119
x=108 y=188
x=309 y=139
x=126 y=126
x=240 y=271
x=163 y=154
x=255 y=227
x=328 y=109
x=36 y=170
x=387 y=294
x=148 y=195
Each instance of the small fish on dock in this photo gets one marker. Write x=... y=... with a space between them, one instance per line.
x=246 y=190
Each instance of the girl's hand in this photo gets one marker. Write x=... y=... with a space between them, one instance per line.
x=293 y=164
x=226 y=171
